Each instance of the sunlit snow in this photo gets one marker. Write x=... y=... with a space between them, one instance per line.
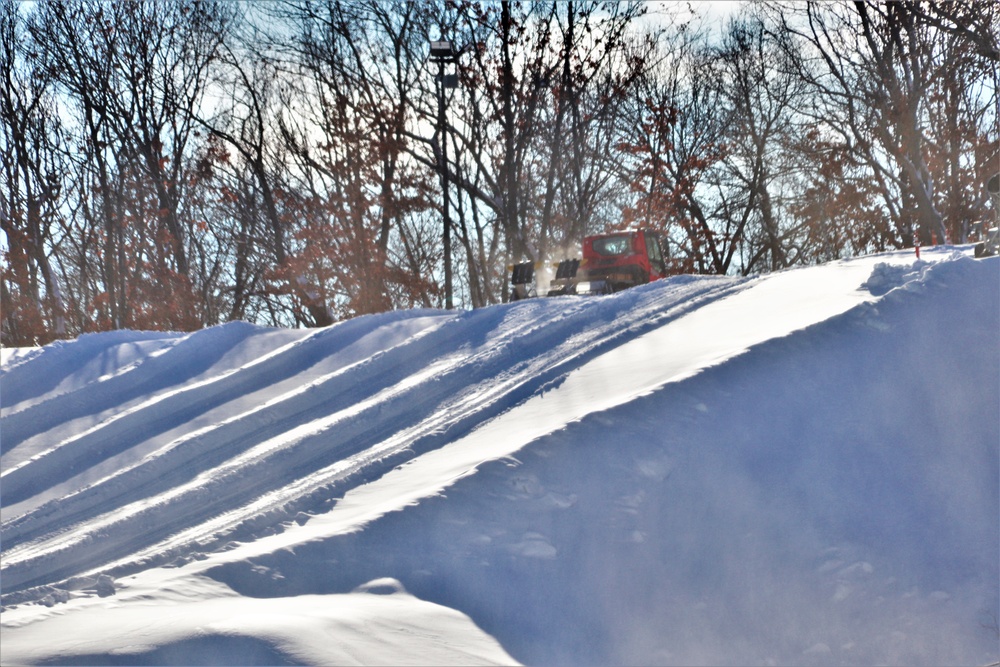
x=799 y=468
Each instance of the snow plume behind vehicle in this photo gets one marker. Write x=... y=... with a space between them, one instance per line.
x=800 y=468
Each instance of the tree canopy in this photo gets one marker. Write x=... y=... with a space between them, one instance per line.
x=177 y=164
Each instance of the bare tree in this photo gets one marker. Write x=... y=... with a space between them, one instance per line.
x=875 y=71
x=757 y=175
x=971 y=23
x=30 y=135
x=895 y=87
x=133 y=75
x=256 y=182
x=675 y=143
x=356 y=69
x=532 y=125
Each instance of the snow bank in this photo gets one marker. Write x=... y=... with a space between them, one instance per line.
x=796 y=469
x=378 y=623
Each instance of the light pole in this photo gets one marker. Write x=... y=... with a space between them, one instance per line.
x=442 y=53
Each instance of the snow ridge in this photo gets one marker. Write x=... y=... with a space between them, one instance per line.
x=799 y=468
x=326 y=428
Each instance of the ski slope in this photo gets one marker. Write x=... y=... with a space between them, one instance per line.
x=799 y=468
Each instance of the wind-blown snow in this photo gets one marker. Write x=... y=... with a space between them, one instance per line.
x=800 y=468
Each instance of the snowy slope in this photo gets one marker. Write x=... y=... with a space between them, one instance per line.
x=800 y=468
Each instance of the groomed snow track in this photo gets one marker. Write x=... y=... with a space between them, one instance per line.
x=188 y=454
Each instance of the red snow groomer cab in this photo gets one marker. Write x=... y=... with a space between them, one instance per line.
x=610 y=263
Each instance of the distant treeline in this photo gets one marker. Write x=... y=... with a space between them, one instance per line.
x=174 y=165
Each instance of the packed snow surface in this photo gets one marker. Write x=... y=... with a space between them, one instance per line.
x=800 y=468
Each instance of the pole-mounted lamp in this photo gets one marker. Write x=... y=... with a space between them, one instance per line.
x=442 y=53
